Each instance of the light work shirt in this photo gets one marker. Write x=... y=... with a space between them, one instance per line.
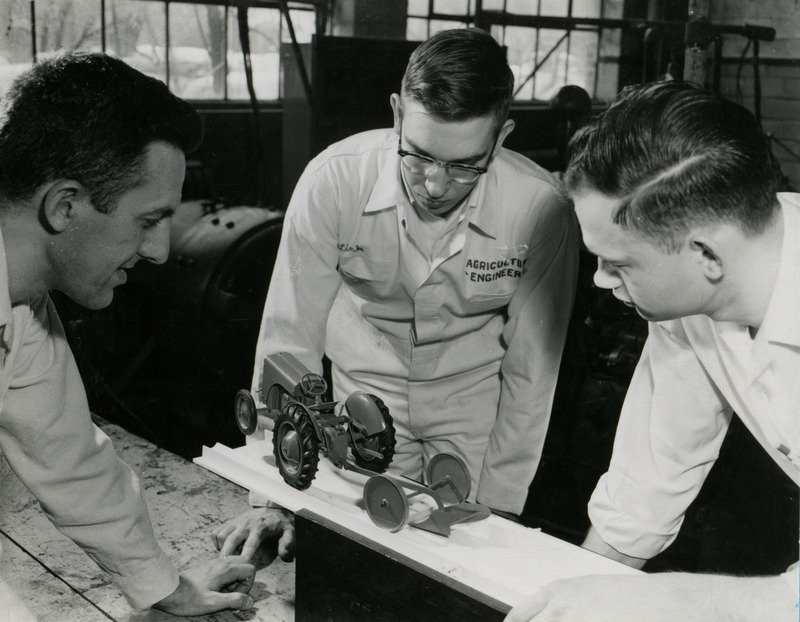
x=68 y=464
x=694 y=373
x=461 y=334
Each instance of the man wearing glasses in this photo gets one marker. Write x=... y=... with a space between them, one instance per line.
x=438 y=274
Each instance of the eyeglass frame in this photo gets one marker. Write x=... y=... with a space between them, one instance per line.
x=478 y=170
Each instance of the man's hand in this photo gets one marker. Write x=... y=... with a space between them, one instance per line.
x=258 y=526
x=659 y=597
x=218 y=584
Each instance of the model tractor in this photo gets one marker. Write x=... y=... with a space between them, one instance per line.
x=357 y=435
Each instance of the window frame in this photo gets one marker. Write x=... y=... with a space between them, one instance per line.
x=319 y=7
x=500 y=19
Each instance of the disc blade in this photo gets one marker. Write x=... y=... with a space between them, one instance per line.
x=385 y=502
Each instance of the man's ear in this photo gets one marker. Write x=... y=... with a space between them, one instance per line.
x=711 y=262
x=507 y=128
x=397 y=110
x=61 y=202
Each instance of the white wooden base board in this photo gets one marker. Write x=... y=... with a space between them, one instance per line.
x=497 y=557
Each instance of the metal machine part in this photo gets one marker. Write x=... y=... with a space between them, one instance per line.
x=448 y=484
x=357 y=434
x=164 y=360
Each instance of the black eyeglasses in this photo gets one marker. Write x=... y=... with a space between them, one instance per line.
x=422 y=165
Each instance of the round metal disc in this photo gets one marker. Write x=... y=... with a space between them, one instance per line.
x=386 y=503
x=295 y=446
x=291 y=452
x=442 y=465
x=245 y=410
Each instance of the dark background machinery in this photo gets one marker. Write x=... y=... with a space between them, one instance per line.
x=167 y=357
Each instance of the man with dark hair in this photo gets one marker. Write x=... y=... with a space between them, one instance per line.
x=436 y=270
x=676 y=191
x=91 y=168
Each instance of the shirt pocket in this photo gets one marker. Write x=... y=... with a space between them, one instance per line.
x=490 y=285
x=370 y=277
x=481 y=303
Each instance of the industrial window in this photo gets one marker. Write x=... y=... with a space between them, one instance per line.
x=550 y=43
x=194 y=47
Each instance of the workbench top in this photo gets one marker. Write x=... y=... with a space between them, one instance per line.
x=500 y=559
x=61 y=584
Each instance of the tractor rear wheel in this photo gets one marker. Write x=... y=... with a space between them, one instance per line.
x=295 y=446
x=382 y=442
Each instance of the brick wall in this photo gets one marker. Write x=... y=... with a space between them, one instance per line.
x=779 y=71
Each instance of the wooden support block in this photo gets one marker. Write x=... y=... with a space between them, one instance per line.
x=344 y=576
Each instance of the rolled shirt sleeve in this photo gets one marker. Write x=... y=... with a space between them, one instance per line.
x=534 y=334
x=69 y=465
x=671 y=427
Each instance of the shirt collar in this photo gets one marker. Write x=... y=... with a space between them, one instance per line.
x=388 y=189
x=388 y=192
x=781 y=319
x=484 y=216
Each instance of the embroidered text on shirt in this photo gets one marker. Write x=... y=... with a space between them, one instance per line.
x=487 y=271
x=348 y=248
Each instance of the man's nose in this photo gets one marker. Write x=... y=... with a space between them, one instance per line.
x=155 y=246
x=606 y=276
x=437 y=181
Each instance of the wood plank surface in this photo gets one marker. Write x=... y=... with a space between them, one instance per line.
x=61 y=584
x=26 y=575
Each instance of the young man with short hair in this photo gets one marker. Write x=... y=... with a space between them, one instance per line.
x=676 y=191
x=436 y=269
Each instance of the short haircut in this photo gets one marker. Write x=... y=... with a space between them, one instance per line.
x=87 y=117
x=460 y=74
x=677 y=156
